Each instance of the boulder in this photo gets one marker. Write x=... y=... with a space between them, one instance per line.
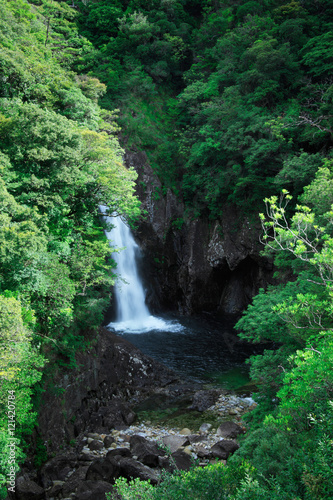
x=204 y=428
x=203 y=452
x=185 y=432
x=172 y=442
x=117 y=453
x=182 y=460
x=86 y=456
x=146 y=451
x=103 y=469
x=132 y=469
x=196 y=438
x=58 y=468
x=167 y=463
x=95 y=445
x=224 y=448
x=72 y=483
x=93 y=490
x=108 y=440
x=26 y=489
x=202 y=400
x=229 y=430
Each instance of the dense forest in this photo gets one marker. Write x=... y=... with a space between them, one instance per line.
x=232 y=102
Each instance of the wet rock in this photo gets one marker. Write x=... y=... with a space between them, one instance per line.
x=131 y=469
x=93 y=490
x=146 y=451
x=211 y=266
x=224 y=448
x=173 y=442
x=103 y=469
x=202 y=400
x=229 y=430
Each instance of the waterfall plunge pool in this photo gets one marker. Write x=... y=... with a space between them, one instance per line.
x=199 y=349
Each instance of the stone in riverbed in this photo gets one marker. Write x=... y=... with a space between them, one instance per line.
x=202 y=400
x=146 y=451
x=108 y=440
x=229 y=430
x=205 y=427
x=119 y=452
x=132 y=469
x=183 y=460
x=93 y=490
x=224 y=448
x=103 y=469
x=174 y=442
x=58 y=468
x=95 y=445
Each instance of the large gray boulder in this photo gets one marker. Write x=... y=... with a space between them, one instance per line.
x=229 y=430
x=173 y=443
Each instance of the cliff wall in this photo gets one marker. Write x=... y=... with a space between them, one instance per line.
x=195 y=265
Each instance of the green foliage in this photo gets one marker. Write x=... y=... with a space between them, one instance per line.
x=215 y=482
x=59 y=159
x=20 y=369
x=291 y=440
x=233 y=72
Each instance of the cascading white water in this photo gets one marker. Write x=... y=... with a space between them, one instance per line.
x=132 y=313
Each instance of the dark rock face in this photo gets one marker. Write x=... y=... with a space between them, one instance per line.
x=93 y=397
x=196 y=265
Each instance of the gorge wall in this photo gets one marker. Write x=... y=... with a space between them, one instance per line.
x=195 y=265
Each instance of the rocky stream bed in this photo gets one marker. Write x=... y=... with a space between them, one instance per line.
x=96 y=432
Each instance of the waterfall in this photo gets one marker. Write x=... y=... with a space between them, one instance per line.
x=132 y=312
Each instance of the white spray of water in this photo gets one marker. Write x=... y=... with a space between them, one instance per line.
x=132 y=312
